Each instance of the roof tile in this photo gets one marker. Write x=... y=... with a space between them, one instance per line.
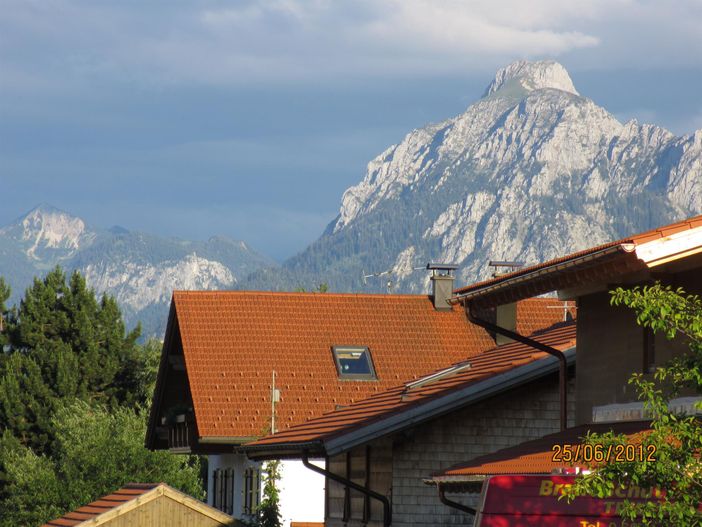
x=402 y=397
x=104 y=504
x=246 y=335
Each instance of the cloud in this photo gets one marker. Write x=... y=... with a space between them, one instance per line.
x=258 y=41
x=283 y=40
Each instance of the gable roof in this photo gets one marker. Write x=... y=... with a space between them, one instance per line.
x=600 y=263
x=128 y=498
x=484 y=375
x=536 y=456
x=232 y=341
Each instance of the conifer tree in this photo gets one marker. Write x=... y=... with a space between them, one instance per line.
x=60 y=343
x=74 y=385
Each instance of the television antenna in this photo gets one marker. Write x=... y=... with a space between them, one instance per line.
x=566 y=307
x=390 y=283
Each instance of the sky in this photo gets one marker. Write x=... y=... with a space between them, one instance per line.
x=250 y=118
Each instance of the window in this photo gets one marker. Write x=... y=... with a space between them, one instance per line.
x=223 y=490
x=252 y=490
x=354 y=362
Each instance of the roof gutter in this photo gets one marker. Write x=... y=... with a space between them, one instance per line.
x=562 y=362
x=453 y=504
x=562 y=266
x=284 y=450
x=225 y=440
x=387 y=509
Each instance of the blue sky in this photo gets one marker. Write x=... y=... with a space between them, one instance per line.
x=250 y=118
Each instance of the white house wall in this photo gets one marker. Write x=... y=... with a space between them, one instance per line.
x=239 y=462
x=301 y=493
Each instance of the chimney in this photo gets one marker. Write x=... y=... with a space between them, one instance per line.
x=506 y=317
x=441 y=284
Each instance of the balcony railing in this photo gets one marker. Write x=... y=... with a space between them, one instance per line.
x=180 y=433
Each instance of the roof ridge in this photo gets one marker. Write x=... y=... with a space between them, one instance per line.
x=180 y=292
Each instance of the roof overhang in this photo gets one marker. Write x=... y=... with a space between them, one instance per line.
x=608 y=264
x=225 y=440
x=671 y=248
x=533 y=457
x=605 y=264
x=396 y=422
x=151 y=436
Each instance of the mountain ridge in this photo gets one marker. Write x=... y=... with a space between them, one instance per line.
x=141 y=270
x=530 y=171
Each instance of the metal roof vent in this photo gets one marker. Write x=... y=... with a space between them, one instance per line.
x=502 y=267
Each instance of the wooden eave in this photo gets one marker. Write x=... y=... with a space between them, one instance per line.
x=605 y=266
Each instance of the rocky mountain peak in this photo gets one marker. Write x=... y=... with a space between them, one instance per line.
x=46 y=229
x=532 y=76
x=530 y=172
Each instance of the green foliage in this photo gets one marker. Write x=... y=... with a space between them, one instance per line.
x=73 y=388
x=60 y=343
x=30 y=493
x=677 y=438
x=268 y=513
x=322 y=287
x=5 y=293
x=95 y=452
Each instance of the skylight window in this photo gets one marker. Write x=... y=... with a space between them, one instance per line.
x=354 y=362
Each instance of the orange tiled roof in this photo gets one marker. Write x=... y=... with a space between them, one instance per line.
x=104 y=504
x=535 y=457
x=637 y=239
x=402 y=397
x=234 y=340
x=129 y=498
x=534 y=314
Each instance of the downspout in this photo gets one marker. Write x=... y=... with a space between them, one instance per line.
x=387 y=510
x=563 y=365
x=453 y=504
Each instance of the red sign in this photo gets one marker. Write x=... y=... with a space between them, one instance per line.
x=515 y=501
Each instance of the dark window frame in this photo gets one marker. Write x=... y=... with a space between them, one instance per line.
x=252 y=490
x=371 y=376
x=223 y=489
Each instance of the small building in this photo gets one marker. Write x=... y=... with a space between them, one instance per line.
x=238 y=365
x=144 y=505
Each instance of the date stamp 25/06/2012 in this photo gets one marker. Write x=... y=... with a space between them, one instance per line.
x=597 y=453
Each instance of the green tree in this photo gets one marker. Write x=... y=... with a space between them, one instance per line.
x=4 y=297
x=677 y=438
x=62 y=342
x=96 y=451
x=73 y=387
x=268 y=514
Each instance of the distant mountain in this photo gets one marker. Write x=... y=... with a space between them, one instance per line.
x=531 y=171
x=140 y=270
